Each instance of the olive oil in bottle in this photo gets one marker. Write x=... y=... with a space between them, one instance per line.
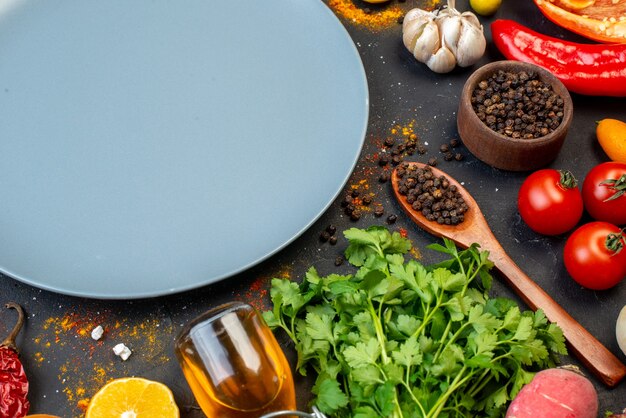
x=234 y=365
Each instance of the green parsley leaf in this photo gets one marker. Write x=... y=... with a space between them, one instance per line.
x=330 y=397
x=362 y=354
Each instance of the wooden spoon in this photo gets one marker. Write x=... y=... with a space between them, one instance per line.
x=474 y=229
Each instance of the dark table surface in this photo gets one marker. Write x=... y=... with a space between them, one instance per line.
x=66 y=367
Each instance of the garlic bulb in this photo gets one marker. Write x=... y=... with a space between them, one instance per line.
x=444 y=38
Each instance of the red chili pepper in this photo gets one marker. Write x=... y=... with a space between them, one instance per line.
x=13 y=381
x=590 y=69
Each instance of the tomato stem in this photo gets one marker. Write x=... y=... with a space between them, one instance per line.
x=615 y=242
x=619 y=185
x=10 y=339
x=567 y=179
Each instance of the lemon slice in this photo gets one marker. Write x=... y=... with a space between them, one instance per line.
x=133 y=397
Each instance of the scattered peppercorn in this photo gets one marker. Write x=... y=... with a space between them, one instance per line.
x=355 y=215
x=454 y=143
x=448 y=156
x=458 y=156
x=383 y=160
x=421 y=149
x=329 y=234
x=339 y=260
x=389 y=141
x=444 y=148
x=384 y=177
x=433 y=196
x=518 y=105
x=432 y=162
x=379 y=211
x=391 y=219
x=367 y=199
x=354 y=193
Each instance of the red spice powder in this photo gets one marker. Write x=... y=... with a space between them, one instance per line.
x=257 y=293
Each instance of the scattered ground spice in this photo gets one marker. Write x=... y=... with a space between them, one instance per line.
x=415 y=252
x=377 y=17
x=93 y=364
x=373 y=19
x=257 y=293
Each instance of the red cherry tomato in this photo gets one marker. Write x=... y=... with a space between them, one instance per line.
x=549 y=201
x=594 y=255
x=604 y=193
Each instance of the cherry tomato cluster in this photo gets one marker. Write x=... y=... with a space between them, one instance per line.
x=550 y=203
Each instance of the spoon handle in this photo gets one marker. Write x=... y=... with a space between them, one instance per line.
x=596 y=357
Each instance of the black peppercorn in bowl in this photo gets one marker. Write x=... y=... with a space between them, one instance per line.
x=514 y=115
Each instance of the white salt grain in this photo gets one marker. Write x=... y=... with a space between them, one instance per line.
x=97 y=332
x=122 y=351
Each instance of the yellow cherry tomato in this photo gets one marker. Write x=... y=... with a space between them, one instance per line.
x=485 y=7
x=611 y=135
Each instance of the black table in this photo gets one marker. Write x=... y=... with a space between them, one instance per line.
x=66 y=366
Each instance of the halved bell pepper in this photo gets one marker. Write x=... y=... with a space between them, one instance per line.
x=600 y=20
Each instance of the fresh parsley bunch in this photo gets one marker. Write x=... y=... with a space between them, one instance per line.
x=400 y=339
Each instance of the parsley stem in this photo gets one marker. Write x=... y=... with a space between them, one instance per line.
x=412 y=395
x=456 y=383
x=441 y=341
x=428 y=315
x=480 y=383
x=450 y=341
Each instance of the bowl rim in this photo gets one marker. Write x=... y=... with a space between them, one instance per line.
x=559 y=88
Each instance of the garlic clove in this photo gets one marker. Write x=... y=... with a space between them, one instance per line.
x=413 y=26
x=427 y=43
x=471 y=45
x=416 y=14
x=442 y=61
x=471 y=18
x=620 y=330
x=411 y=31
x=450 y=32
